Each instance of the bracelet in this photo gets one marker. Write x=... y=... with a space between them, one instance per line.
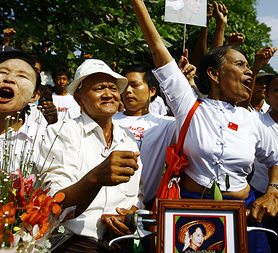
x=274 y=185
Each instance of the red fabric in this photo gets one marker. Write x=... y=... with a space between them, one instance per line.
x=176 y=166
x=169 y=187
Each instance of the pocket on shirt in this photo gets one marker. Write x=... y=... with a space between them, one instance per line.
x=130 y=189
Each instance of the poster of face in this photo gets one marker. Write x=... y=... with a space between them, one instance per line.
x=199 y=234
x=192 y=12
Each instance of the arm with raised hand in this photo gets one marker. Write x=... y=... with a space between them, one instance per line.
x=262 y=57
x=9 y=33
x=220 y=13
x=201 y=47
x=160 y=53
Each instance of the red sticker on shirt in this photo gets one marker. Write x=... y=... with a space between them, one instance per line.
x=233 y=126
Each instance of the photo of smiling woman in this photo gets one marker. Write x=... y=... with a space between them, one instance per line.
x=199 y=234
x=191 y=12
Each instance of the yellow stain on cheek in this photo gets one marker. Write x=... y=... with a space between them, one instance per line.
x=26 y=89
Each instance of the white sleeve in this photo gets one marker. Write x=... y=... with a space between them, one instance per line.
x=266 y=148
x=59 y=163
x=179 y=94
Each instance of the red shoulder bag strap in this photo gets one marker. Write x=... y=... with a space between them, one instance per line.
x=185 y=126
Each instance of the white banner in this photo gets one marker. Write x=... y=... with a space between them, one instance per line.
x=191 y=12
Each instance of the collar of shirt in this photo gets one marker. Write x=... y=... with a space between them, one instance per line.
x=219 y=104
x=91 y=125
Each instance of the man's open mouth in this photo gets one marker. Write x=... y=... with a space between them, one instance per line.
x=6 y=93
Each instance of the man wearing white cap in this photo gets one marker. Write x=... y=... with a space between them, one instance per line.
x=96 y=162
x=258 y=102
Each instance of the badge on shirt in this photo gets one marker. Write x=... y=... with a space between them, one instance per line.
x=233 y=126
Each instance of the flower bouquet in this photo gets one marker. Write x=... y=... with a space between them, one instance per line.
x=28 y=215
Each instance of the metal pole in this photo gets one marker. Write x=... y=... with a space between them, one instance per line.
x=184 y=39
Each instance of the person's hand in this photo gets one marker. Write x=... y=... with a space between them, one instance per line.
x=220 y=13
x=186 y=68
x=9 y=33
x=235 y=39
x=116 y=227
x=209 y=13
x=262 y=57
x=113 y=66
x=117 y=168
x=264 y=207
x=49 y=111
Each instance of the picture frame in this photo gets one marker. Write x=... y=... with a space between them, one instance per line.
x=223 y=225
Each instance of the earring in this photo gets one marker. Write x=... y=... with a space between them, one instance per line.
x=217 y=82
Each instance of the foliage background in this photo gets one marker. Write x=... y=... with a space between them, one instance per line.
x=62 y=31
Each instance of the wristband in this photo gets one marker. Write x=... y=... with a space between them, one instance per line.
x=274 y=185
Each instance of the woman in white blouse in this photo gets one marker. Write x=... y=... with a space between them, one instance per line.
x=222 y=139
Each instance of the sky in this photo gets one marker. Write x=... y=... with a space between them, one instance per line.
x=268 y=13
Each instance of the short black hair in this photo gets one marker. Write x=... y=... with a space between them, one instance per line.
x=148 y=77
x=215 y=59
x=62 y=70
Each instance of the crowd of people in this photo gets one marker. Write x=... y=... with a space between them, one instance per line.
x=110 y=160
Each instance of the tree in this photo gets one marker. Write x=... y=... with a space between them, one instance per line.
x=62 y=31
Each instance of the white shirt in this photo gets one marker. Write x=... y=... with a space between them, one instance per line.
x=264 y=109
x=153 y=134
x=158 y=107
x=260 y=178
x=221 y=139
x=63 y=104
x=79 y=148
x=36 y=115
x=22 y=142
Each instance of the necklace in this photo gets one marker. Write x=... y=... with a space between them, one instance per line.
x=111 y=138
x=105 y=151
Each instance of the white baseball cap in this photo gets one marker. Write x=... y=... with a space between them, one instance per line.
x=93 y=66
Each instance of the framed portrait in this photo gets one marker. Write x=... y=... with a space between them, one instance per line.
x=194 y=225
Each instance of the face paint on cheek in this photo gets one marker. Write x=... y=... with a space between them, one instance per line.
x=26 y=89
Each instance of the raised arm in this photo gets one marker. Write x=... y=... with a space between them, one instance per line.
x=9 y=33
x=201 y=47
x=160 y=53
x=220 y=13
x=235 y=39
x=189 y=71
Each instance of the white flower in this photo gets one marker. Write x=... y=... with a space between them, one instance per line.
x=61 y=229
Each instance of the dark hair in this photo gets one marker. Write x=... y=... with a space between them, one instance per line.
x=12 y=55
x=269 y=80
x=60 y=71
x=193 y=228
x=148 y=77
x=215 y=59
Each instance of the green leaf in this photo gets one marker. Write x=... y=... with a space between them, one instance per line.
x=215 y=192
x=227 y=180
x=87 y=21
x=89 y=34
x=71 y=56
x=55 y=20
